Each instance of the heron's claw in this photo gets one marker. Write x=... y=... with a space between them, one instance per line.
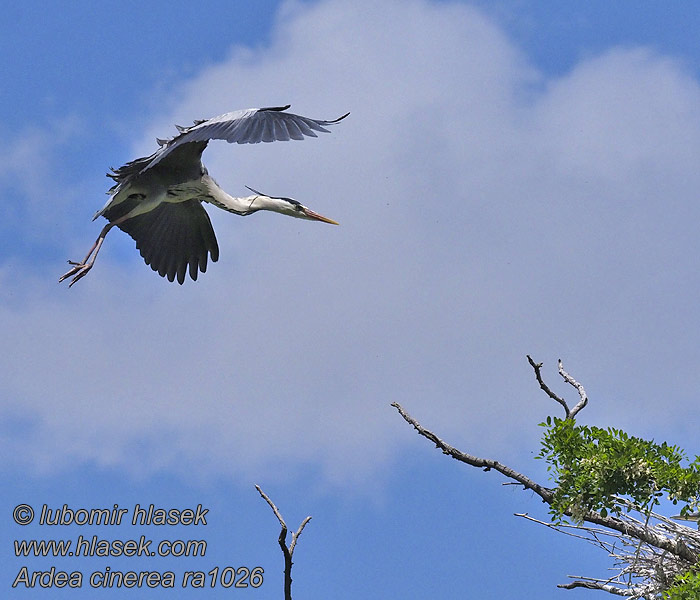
x=78 y=271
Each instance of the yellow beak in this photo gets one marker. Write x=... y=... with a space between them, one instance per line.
x=314 y=215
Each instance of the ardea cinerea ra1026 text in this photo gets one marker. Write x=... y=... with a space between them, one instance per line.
x=158 y=199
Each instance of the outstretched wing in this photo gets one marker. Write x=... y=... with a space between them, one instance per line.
x=173 y=237
x=249 y=126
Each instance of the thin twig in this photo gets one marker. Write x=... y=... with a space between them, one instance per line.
x=562 y=527
x=538 y=375
x=296 y=535
x=581 y=392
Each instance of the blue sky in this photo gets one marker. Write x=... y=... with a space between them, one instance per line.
x=514 y=177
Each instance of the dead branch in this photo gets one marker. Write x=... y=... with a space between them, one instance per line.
x=597 y=585
x=538 y=375
x=570 y=413
x=286 y=551
x=475 y=461
x=581 y=392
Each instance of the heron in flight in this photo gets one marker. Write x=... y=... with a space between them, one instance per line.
x=158 y=199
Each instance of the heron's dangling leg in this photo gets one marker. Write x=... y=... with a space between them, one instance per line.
x=80 y=269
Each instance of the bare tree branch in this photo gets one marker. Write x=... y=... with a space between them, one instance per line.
x=597 y=585
x=581 y=392
x=286 y=551
x=538 y=375
x=475 y=461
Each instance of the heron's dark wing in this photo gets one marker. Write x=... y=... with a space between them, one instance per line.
x=173 y=237
x=248 y=126
x=182 y=163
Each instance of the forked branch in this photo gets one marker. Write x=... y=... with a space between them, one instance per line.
x=570 y=413
x=287 y=551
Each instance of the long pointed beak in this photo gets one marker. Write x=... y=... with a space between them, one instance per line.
x=314 y=215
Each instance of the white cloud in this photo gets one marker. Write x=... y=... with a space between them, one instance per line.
x=485 y=212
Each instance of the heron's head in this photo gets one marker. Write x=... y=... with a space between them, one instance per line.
x=286 y=206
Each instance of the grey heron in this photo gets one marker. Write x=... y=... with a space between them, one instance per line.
x=157 y=199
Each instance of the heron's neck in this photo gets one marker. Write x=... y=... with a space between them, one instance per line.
x=241 y=206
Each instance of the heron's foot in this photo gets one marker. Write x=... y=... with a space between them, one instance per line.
x=78 y=271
